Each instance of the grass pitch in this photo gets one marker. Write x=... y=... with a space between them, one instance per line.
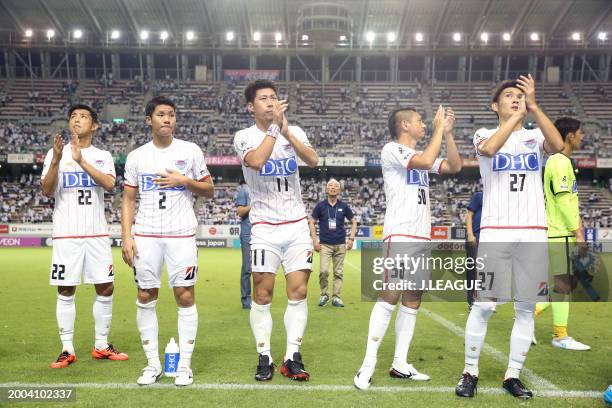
x=333 y=348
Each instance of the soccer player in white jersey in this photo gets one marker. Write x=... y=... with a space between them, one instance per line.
x=407 y=224
x=167 y=173
x=269 y=151
x=76 y=175
x=512 y=228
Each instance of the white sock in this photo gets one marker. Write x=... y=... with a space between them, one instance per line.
x=261 y=325
x=379 y=321
x=475 y=332
x=187 y=330
x=66 y=313
x=520 y=339
x=102 y=314
x=404 y=329
x=296 y=316
x=146 y=320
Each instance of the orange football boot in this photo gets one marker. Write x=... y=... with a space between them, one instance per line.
x=64 y=360
x=108 y=353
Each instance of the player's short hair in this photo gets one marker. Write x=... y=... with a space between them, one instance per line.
x=93 y=113
x=251 y=90
x=333 y=180
x=509 y=83
x=157 y=101
x=566 y=125
x=392 y=121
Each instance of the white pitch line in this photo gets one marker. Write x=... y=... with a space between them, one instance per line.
x=304 y=387
x=540 y=382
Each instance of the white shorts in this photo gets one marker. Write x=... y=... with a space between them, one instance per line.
x=286 y=244
x=515 y=265
x=73 y=257
x=180 y=255
x=411 y=249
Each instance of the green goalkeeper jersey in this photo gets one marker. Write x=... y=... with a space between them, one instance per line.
x=561 y=192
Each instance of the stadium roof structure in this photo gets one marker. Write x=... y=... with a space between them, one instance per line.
x=361 y=24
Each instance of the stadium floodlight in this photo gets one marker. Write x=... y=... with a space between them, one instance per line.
x=418 y=37
x=457 y=37
x=50 y=34
x=343 y=38
x=229 y=36
x=576 y=36
x=484 y=37
x=534 y=36
x=256 y=36
x=390 y=37
x=602 y=36
x=29 y=33
x=115 y=34
x=305 y=37
x=144 y=35
x=370 y=36
x=163 y=35
x=278 y=37
x=506 y=36
x=77 y=34
x=190 y=35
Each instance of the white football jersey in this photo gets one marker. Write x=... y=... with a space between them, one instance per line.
x=79 y=201
x=165 y=212
x=408 y=213
x=513 y=196
x=276 y=195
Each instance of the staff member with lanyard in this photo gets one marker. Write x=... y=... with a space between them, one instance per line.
x=332 y=245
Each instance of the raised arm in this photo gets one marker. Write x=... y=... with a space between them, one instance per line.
x=49 y=181
x=106 y=181
x=425 y=160
x=452 y=164
x=257 y=157
x=553 y=141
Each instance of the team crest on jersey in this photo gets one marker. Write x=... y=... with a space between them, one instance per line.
x=309 y=257
x=514 y=162
x=146 y=184
x=74 y=179
x=279 y=167
x=543 y=289
x=531 y=143
x=417 y=177
x=180 y=164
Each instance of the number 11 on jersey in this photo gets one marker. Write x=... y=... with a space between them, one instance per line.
x=278 y=183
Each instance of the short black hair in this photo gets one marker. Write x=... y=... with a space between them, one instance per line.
x=251 y=90
x=566 y=125
x=509 y=83
x=392 y=121
x=93 y=113
x=157 y=101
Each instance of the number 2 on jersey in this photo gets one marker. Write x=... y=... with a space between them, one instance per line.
x=162 y=200
x=278 y=183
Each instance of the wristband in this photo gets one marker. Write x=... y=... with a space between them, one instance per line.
x=273 y=131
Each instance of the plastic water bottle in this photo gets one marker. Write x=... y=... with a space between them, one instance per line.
x=171 y=358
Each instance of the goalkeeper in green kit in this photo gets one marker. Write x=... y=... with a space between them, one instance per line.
x=565 y=229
